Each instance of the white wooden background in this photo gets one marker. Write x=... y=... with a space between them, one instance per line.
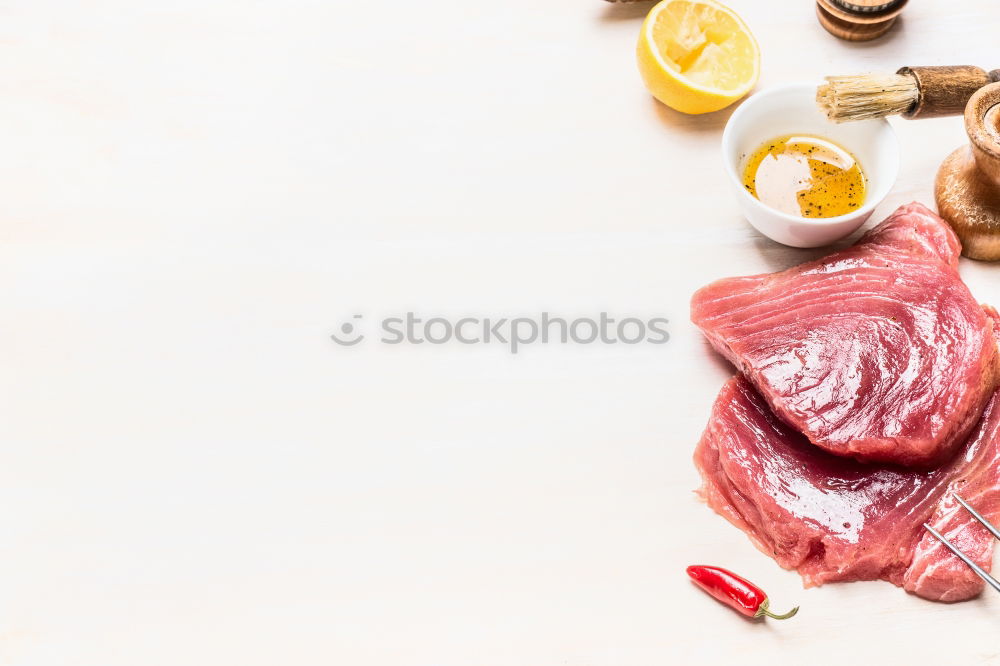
x=195 y=194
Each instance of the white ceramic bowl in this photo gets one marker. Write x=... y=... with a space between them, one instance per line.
x=792 y=109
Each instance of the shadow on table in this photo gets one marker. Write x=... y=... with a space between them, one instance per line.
x=626 y=11
x=778 y=257
x=703 y=122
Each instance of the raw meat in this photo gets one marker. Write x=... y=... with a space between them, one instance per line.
x=877 y=352
x=835 y=519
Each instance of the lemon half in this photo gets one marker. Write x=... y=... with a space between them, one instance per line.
x=697 y=56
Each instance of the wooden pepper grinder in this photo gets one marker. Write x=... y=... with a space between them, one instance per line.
x=967 y=188
x=858 y=20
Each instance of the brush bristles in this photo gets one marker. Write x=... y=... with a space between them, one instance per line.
x=846 y=98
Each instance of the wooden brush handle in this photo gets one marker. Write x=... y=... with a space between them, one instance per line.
x=944 y=91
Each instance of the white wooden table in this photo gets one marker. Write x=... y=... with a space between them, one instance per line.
x=195 y=197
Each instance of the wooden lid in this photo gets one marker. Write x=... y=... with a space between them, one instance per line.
x=858 y=20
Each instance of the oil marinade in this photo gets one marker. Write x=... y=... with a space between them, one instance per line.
x=805 y=175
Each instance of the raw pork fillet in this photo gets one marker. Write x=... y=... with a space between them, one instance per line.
x=835 y=519
x=878 y=352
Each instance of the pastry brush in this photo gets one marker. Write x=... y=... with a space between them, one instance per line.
x=913 y=92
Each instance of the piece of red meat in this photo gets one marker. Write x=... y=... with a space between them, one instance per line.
x=836 y=519
x=877 y=352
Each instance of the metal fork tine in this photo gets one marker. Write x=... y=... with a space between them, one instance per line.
x=977 y=516
x=972 y=565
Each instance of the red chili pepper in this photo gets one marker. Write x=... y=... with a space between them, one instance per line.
x=734 y=591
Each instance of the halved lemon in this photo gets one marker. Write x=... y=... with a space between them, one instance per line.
x=697 y=56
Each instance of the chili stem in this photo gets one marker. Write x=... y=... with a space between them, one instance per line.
x=764 y=610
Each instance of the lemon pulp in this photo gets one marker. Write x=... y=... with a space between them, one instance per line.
x=704 y=45
x=697 y=56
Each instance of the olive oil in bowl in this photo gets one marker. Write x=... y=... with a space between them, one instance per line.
x=806 y=176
